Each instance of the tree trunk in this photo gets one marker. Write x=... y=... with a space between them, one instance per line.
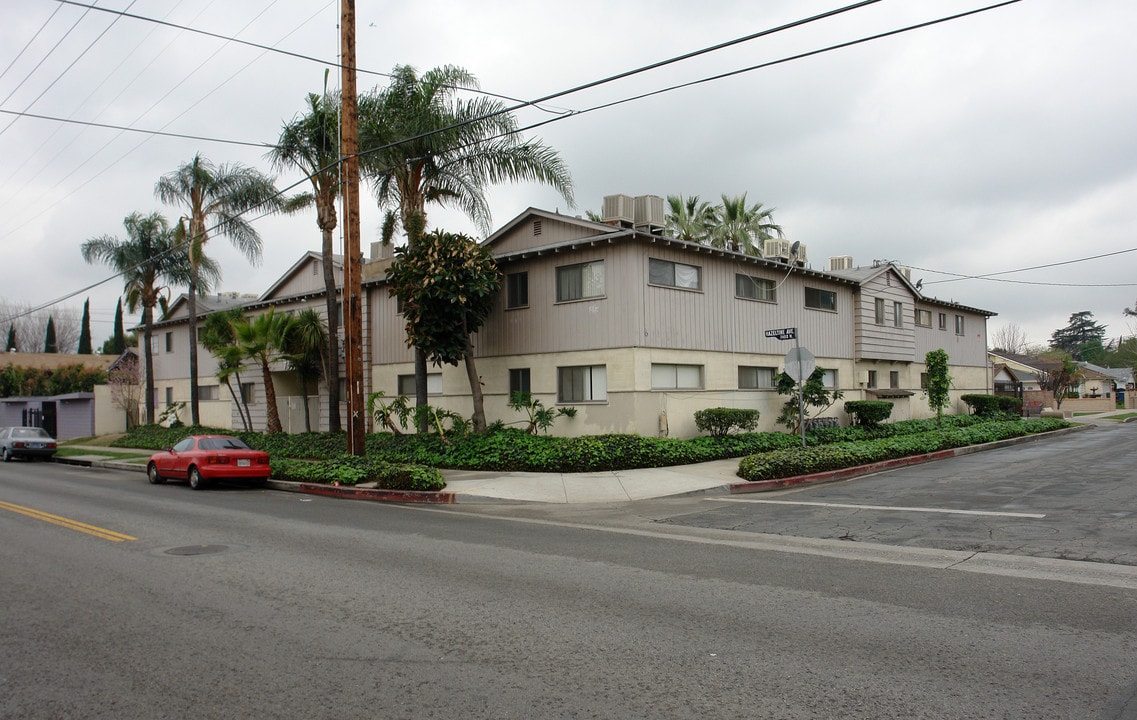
x=237 y=402
x=274 y=425
x=475 y=388
x=243 y=407
x=304 y=396
x=195 y=414
x=420 y=390
x=332 y=361
x=148 y=355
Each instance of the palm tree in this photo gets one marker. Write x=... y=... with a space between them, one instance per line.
x=310 y=143
x=689 y=219
x=420 y=143
x=215 y=199
x=218 y=338
x=149 y=261
x=264 y=341
x=306 y=348
x=747 y=227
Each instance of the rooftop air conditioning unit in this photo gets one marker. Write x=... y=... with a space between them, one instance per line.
x=649 y=214
x=799 y=255
x=776 y=249
x=841 y=262
x=906 y=272
x=619 y=209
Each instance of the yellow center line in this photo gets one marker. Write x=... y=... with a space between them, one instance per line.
x=67 y=523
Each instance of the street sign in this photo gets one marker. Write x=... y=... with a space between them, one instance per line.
x=783 y=333
x=800 y=364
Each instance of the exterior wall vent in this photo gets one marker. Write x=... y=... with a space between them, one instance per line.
x=841 y=262
x=619 y=210
x=649 y=214
x=538 y=227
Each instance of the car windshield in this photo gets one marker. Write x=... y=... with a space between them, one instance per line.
x=222 y=443
x=26 y=432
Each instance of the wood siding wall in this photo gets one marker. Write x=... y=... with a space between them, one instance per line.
x=885 y=341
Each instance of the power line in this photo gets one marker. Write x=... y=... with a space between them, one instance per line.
x=126 y=128
x=988 y=276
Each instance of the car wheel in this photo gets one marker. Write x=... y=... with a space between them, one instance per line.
x=7 y=455
x=153 y=476
x=196 y=481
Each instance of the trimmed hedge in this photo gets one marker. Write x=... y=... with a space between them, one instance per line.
x=840 y=455
x=993 y=405
x=868 y=412
x=720 y=421
x=352 y=470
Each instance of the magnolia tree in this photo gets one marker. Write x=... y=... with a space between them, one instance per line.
x=937 y=387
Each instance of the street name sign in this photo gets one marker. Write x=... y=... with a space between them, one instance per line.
x=783 y=333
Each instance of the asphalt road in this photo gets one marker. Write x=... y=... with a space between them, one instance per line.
x=241 y=603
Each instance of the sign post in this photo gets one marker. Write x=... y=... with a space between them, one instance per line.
x=800 y=364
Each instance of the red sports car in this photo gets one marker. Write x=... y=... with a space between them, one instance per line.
x=201 y=459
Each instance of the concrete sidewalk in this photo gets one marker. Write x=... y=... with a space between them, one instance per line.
x=469 y=486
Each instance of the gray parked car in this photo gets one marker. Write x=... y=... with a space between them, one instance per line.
x=26 y=442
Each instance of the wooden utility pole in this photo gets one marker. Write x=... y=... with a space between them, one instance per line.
x=352 y=258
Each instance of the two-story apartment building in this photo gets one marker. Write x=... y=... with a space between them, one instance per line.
x=637 y=331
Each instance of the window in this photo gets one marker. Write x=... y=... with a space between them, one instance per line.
x=433 y=384
x=183 y=445
x=585 y=383
x=517 y=290
x=208 y=392
x=519 y=381
x=894 y=379
x=672 y=274
x=898 y=314
x=880 y=311
x=169 y=396
x=584 y=280
x=958 y=324
x=676 y=377
x=755 y=378
x=249 y=393
x=872 y=379
x=755 y=288
x=169 y=342
x=943 y=321
x=820 y=299
x=924 y=317
x=829 y=379
x=923 y=381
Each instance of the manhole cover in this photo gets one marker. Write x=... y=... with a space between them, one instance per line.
x=197 y=550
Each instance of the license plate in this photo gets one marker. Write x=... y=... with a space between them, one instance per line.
x=244 y=462
x=36 y=446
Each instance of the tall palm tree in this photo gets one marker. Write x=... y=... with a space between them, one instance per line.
x=689 y=218
x=215 y=199
x=747 y=226
x=421 y=143
x=149 y=262
x=218 y=338
x=264 y=341
x=306 y=347
x=310 y=143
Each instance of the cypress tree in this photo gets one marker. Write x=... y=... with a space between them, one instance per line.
x=119 y=332
x=49 y=336
x=85 y=330
x=11 y=339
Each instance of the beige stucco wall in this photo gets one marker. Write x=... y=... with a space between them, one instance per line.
x=109 y=418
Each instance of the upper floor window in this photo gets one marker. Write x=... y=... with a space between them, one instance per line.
x=958 y=324
x=879 y=311
x=755 y=288
x=943 y=321
x=583 y=280
x=517 y=290
x=672 y=274
x=820 y=299
x=923 y=317
x=676 y=377
x=898 y=314
x=169 y=342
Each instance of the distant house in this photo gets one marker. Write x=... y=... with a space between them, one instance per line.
x=1020 y=375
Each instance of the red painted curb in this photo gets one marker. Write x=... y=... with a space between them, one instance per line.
x=404 y=496
x=835 y=475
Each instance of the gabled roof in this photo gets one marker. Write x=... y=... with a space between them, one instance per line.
x=1121 y=376
x=1031 y=362
x=863 y=275
x=307 y=258
x=206 y=304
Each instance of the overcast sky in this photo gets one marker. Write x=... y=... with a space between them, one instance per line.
x=983 y=145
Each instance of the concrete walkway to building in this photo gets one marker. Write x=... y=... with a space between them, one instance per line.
x=466 y=486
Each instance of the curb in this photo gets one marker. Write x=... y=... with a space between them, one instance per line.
x=754 y=486
x=440 y=497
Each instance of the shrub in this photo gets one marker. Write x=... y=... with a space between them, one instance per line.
x=982 y=405
x=720 y=421
x=352 y=470
x=868 y=412
x=1010 y=405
